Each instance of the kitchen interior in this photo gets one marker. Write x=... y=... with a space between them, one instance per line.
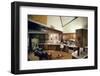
x=57 y=37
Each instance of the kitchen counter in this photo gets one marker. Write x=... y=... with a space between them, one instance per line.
x=50 y=46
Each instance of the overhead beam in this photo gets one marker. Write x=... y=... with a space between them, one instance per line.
x=61 y=21
x=70 y=21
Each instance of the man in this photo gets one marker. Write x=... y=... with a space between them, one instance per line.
x=35 y=42
x=62 y=46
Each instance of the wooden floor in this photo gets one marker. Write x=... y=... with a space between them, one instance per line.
x=59 y=54
x=52 y=54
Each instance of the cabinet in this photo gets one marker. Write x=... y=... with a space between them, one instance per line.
x=82 y=37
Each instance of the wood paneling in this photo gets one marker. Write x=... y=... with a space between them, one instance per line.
x=38 y=18
x=69 y=36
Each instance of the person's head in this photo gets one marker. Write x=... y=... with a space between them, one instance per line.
x=61 y=40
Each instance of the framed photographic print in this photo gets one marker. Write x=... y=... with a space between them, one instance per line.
x=52 y=37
